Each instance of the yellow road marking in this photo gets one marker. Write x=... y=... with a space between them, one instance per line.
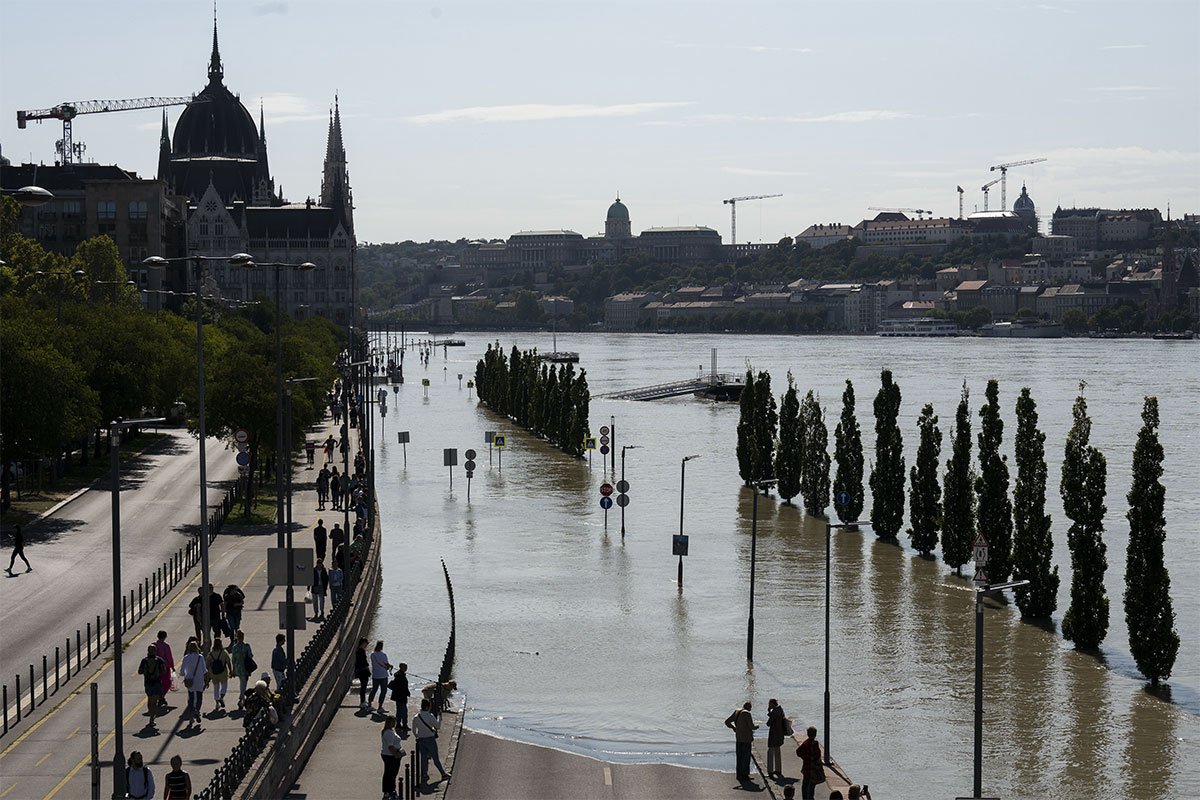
x=9 y=789
x=607 y=776
x=72 y=733
x=88 y=758
x=43 y=758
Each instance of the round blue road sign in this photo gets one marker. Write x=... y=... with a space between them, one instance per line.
x=606 y=503
x=242 y=459
x=604 y=450
x=843 y=498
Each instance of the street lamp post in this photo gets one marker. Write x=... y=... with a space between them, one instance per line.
x=829 y=527
x=114 y=284
x=753 y=563
x=623 y=449
x=29 y=196
x=290 y=692
x=682 y=476
x=114 y=430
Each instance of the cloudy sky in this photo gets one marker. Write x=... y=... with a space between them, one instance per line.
x=480 y=119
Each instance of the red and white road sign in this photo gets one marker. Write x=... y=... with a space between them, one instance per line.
x=606 y=489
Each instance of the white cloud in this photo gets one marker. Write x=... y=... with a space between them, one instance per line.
x=535 y=112
x=263 y=9
x=762 y=172
x=1122 y=47
x=868 y=115
x=284 y=107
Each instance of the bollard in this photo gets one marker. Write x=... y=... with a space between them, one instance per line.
x=140 y=605
x=6 y=708
x=146 y=584
x=99 y=645
x=45 y=685
x=78 y=654
x=68 y=658
x=132 y=613
x=108 y=627
x=56 y=668
x=89 y=643
x=121 y=622
x=18 y=698
x=32 y=690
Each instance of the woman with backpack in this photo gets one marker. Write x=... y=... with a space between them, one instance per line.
x=139 y=780
x=219 y=668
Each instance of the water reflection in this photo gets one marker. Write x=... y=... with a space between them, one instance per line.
x=1151 y=750
x=1090 y=722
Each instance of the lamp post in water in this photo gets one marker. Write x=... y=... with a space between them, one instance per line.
x=682 y=477
x=623 y=483
x=753 y=563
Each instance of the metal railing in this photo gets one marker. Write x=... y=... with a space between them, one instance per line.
x=92 y=640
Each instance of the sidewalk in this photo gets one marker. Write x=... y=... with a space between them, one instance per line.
x=51 y=757
x=835 y=776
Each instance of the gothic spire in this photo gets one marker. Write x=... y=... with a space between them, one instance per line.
x=215 y=71
x=262 y=125
x=165 y=136
x=164 y=152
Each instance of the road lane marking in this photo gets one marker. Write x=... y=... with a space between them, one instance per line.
x=88 y=758
x=9 y=789
x=607 y=776
x=72 y=733
x=43 y=758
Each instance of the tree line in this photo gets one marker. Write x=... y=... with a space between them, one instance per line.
x=551 y=402
x=786 y=444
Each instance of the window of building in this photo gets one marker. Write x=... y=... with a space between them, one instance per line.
x=204 y=229
x=106 y=209
x=219 y=229
x=72 y=208
x=138 y=209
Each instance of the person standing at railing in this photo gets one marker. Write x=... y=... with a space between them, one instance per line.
x=279 y=660
x=362 y=671
x=337 y=579
x=320 y=585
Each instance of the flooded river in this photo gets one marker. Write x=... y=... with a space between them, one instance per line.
x=572 y=637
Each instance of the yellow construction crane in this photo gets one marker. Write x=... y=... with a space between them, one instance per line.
x=985 y=189
x=69 y=111
x=920 y=212
x=732 y=203
x=1004 y=178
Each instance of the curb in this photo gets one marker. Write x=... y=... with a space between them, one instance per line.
x=452 y=750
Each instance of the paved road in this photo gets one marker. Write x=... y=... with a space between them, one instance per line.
x=71 y=551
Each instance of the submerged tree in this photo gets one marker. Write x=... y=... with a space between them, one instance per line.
x=791 y=442
x=958 y=490
x=925 y=493
x=848 y=453
x=887 y=474
x=995 y=509
x=745 y=431
x=1148 y=612
x=814 y=481
x=1032 y=543
x=1084 y=477
x=766 y=422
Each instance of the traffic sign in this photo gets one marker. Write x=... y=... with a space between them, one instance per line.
x=603 y=440
x=604 y=450
x=242 y=459
x=424 y=381
x=242 y=446
x=606 y=503
x=498 y=442
x=622 y=486
x=622 y=500
x=243 y=470
x=980 y=556
x=604 y=430
x=843 y=498
x=450 y=457
x=241 y=436
x=469 y=454
x=469 y=464
x=488 y=436
x=679 y=544
x=981 y=576
x=606 y=488
x=980 y=541
x=589 y=443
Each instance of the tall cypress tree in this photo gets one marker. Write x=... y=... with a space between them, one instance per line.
x=1032 y=543
x=1148 y=612
x=766 y=422
x=1084 y=475
x=925 y=493
x=814 y=480
x=958 y=491
x=787 y=457
x=848 y=454
x=745 y=430
x=887 y=474
x=995 y=509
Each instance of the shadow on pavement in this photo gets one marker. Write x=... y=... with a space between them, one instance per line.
x=47 y=530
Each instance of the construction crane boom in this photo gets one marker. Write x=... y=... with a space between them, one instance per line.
x=732 y=203
x=985 y=189
x=918 y=211
x=68 y=111
x=1004 y=177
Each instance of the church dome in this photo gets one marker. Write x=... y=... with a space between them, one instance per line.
x=1024 y=203
x=618 y=212
x=216 y=123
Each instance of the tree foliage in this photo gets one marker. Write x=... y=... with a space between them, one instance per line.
x=788 y=458
x=549 y=401
x=814 y=480
x=958 y=490
x=925 y=493
x=765 y=423
x=1083 y=487
x=848 y=453
x=745 y=430
x=887 y=474
x=1148 y=611
x=995 y=509
x=1032 y=542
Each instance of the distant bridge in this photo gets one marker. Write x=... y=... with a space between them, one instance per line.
x=661 y=391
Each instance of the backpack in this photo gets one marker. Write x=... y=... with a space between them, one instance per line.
x=218 y=667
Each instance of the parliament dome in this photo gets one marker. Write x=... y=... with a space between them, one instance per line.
x=215 y=123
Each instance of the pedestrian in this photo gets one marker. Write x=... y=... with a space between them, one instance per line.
x=320 y=539
x=151 y=669
x=836 y=794
x=195 y=680
x=337 y=580
x=425 y=727
x=335 y=487
x=789 y=792
x=742 y=724
x=262 y=701
x=362 y=671
x=235 y=600
x=18 y=550
x=322 y=487
x=219 y=668
x=330 y=443
x=215 y=606
x=179 y=783
x=310 y=450
x=380 y=667
x=812 y=772
x=139 y=780
x=243 y=663
x=856 y=792
x=391 y=751
x=163 y=651
x=320 y=585
x=338 y=538
x=279 y=660
x=400 y=695
x=777 y=731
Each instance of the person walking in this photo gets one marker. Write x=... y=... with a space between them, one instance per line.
x=163 y=651
x=320 y=585
x=220 y=665
x=335 y=486
x=310 y=450
x=18 y=550
x=322 y=487
x=235 y=601
x=391 y=751
x=777 y=731
x=320 y=539
x=362 y=671
x=242 y=656
x=139 y=780
x=811 y=770
x=742 y=724
x=425 y=728
x=151 y=669
x=330 y=443
x=279 y=661
x=178 y=782
x=380 y=667
x=337 y=538
x=195 y=679
x=400 y=695
x=337 y=579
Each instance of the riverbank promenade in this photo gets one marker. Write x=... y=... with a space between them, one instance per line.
x=49 y=756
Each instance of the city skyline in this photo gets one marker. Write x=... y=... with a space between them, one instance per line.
x=461 y=123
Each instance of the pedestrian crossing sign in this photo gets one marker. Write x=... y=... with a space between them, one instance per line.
x=589 y=443
x=498 y=442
